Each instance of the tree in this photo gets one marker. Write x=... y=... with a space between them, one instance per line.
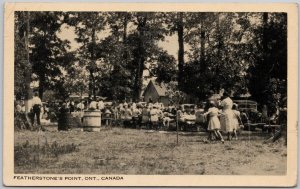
x=21 y=61
x=116 y=52
x=23 y=68
x=87 y=27
x=178 y=23
x=149 y=30
x=271 y=57
x=48 y=52
x=165 y=70
x=74 y=81
x=219 y=55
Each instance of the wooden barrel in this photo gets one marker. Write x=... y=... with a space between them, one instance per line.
x=91 y=121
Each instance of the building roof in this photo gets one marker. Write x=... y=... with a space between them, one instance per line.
x=160 y=88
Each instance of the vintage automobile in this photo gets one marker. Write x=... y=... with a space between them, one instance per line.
x=250 y=116
x=187 y=117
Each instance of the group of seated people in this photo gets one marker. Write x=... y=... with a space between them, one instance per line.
x=148 y=115
x=151 y=116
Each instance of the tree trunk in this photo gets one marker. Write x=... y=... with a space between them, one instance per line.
x=219 y=56
x=265 y=40
x=93 y=65
x=41 y=85
x=202 y=42
x=28 y=70
x=179 y=28
x=140 y=59
x=125 y=23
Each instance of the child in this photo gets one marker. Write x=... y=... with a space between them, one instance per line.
x=154 y=117
x=214 y=122
x=236 y=120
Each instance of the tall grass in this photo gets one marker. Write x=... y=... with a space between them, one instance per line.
x=33 y=155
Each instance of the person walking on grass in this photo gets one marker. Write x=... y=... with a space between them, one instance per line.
x=236 y=120
x=226 y=117
x=214 y=124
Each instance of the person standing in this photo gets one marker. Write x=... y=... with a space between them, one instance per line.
x=236 y=120
x=135 y=117
x=72 y=106
x=63 y=121
x=226 y=117
x=145 y=116
x=101 y=105
x=127 y=116
x=154 y=117
x=36 y=108
x=200 y=117
x=93 y=105
x=214 y=124
x=80 y=106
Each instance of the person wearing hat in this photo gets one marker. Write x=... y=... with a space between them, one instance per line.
x=214 y=124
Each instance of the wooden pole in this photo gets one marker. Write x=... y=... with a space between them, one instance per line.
x=177 y=125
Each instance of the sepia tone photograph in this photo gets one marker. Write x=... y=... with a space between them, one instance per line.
x=121 y=93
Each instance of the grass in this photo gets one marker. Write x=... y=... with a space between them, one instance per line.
x=131 y=151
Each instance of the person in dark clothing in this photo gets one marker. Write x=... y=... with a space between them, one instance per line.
x=63 y=122
x=36 y=109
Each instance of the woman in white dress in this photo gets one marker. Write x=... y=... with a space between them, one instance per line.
x=214 y=125
x=227 y=116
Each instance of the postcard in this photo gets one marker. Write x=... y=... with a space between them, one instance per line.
x=150 y=94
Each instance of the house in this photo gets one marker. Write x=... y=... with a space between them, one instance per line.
x=156 y=93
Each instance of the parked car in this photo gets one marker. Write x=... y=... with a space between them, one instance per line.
x=250 y=116
x=187 y=107
x=187 y=118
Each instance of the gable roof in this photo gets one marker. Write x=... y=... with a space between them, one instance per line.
x=160 y=89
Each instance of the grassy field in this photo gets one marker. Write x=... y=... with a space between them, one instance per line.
x=131 y=151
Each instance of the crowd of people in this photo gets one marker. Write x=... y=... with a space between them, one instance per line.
x=217 y=116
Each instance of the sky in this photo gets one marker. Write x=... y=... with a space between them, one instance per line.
x=170 y=44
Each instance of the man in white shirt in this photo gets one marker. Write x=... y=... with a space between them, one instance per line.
x=100 y=105
x=36 y=108
x=93 y=105
x=80 y=106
